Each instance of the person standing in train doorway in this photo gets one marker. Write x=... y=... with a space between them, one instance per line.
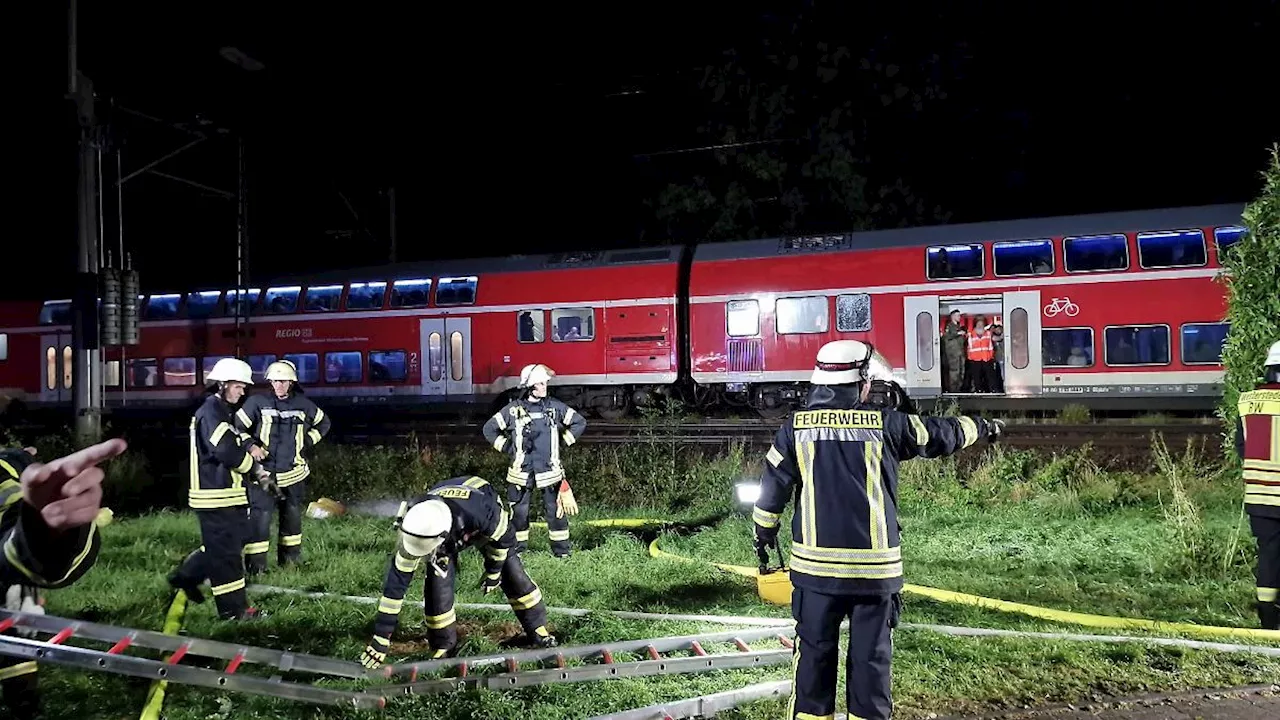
x=953 y=352
x=283 y=427
x=531 y=430
x=980 y=365
x=1258 y=445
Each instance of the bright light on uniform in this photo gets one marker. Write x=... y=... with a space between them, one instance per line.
x=748 y=493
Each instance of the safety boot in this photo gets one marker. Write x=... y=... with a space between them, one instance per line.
x=1269 y=615
x=191 y=587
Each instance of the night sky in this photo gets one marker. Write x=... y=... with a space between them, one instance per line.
x=533 y=131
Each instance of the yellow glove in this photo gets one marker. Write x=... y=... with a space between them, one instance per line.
x=565 y=503
x=372 y=658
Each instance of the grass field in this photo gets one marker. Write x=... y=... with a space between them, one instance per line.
x=1167 y=545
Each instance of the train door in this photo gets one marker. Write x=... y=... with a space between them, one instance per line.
x=924 y=362
x=1023 y=362
x=56 y=362
x=446 y=351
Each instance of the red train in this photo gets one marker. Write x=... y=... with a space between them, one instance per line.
x=1115 y=310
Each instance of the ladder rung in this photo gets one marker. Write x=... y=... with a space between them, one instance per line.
x=234 y=664
x=119 y=647
x=697 y=649
x=62 y=635
x=653 y=652
x=786 y=641
x=7 y=623
x=512 y=665
x=608 y=656
x=741 y=645
x=178 y=654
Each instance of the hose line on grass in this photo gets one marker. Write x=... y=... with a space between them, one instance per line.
x=172 y=626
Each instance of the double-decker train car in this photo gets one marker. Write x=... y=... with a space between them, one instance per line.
x=1118 y=310
x=1121 y=310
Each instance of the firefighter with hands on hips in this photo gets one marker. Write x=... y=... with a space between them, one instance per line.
x=434 y=528
x=1258 y=445
x=283 y=427
x=220 y=464
x=839 y=457
x=50 y=540
x=531 y=431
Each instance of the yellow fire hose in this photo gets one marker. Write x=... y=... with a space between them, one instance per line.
x=172 y=624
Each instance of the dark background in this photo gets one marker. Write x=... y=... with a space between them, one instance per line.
x=519 y=130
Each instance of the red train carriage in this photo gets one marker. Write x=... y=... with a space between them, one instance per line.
x=1119 y=308
x=456 y=331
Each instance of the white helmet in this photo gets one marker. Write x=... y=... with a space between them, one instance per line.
x=282 y=370
x=424 y=527
x=230 y=370
x=842 y=362
x=533 y=374
x=1273 y=355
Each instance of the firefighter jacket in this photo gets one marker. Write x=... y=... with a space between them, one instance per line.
x=1258 y=445
x=480 y=519
x=287 y=429
x=840 y=460
x=33 y=554
x=219 y=458
x=531 y=433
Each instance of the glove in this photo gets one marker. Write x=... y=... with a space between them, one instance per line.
x=489 y=585
x=994 y=429
x=372 y=658
x=23 y=598
x=765 y=538
x=565 y=502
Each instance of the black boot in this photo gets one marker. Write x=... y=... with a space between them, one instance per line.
x=191 y=587
x=1269 y=615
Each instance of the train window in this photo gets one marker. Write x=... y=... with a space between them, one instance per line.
x=241 y=303
x=4 y=346
x=952 y=262
x=207 y=363
x=201 y=305
x=1202 y=343
x=1137 y=345
x=742 y=318
x=366 y=296
x=179 y=371
x=924 y=341
x=142 y=373
x=1023 y=257
x=531 y=326
x=111 y=373
x=1171 y=248
x=51 y=368
x=1019 y=345
x=571 y=325
x=853 y=313
x=803 y=315
x=1225 y=237
x=1067 y=347
x=323 y=298
x=281 y=300
x=435 y=357
x=1096 y=253
x=257 y=363
x=411 y=293
x=67 y=363
x=457 y=291
x=308 y=365
x=456 y=356
x=388 y=366
x=343 y=367
x=161 y=307
x=56 y=312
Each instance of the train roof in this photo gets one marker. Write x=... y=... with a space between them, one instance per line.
x=962 y=234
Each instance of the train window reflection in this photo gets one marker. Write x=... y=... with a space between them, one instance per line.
x=281 y=300
x=1137 y=345
x=457 y=291
x=1096 y=253
x=1171 y=248
x=1019 y=346
x=435 y=357
x=324 y=298
x=111 y=373
x=343 y=367
x=572 y=325
x=388 y=366
x=531 y=326
x=1024 y=257
x=456 y=356
x=179 y=371
x=201 y=305
x=924 y=341
x=366 y=296
x=51 y=368
x=161 y=307
x=1067 y=347
x=803 y=315
x=143 y=372
x=1202 y=343
x=1226 y=238
x=955 y=261
x=66 y=367
x=411 y=293
x=742 y=318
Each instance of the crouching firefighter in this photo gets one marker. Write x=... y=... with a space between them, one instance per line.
x=220 y=460
x=531 y=430
x=434 y=528
x=1258 y=445
x=839 y=457
x=284 y=426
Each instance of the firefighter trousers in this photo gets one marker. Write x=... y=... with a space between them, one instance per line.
x=438 y=594
x=817 y=654
x=262 y=505
x=220 y=559
x=518 y=497
x=19 y=687
x=1266 y=530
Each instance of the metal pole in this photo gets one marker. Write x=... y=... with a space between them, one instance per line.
x=241 y=249
x=87 y=403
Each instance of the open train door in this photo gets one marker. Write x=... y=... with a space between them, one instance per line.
x=1023 y=362
x=924 y=360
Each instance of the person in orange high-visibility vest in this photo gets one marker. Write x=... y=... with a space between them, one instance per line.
x=980 y=360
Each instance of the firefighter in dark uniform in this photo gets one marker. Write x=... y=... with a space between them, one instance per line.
x=49 y=540
x=219 y=463
x=435 y=527
x=839 y=457
x=283 y=427
x=531 y=431
x=1258 y=444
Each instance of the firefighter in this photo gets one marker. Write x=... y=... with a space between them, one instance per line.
x=283 y=427
x=840 y=458
x=220 y=460
x=1258 y=444
x=47 y=530
x=530 y=430
x=436 y=526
